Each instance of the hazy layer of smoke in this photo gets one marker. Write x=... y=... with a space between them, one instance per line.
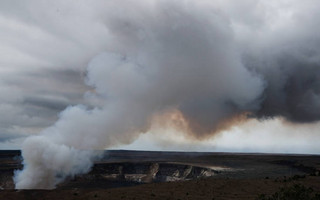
x=266 y=136
x=184 y=56
x=178 y=55
x=286 y=54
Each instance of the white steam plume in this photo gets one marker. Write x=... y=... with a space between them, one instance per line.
x=206 y=65
x=206 y=62
x=162 y=56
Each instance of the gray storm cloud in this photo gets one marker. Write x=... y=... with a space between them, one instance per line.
x=176 y=56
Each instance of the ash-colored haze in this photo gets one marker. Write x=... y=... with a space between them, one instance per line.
x=204 y=60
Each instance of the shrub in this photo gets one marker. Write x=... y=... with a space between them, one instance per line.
x=295 y=192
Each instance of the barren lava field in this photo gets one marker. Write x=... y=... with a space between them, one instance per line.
x=173 y=175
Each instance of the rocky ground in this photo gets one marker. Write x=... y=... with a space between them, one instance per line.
x=174 y=175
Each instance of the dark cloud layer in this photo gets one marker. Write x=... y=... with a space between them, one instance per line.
x=34 y=99
x=210 y=63
x=296 y=97
x=291 y=70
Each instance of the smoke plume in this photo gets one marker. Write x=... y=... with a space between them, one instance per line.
x=184 y=57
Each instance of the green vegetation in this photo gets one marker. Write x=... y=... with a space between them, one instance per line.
x=295 y=192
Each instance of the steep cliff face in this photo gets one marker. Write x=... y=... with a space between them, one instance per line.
x=108 y=175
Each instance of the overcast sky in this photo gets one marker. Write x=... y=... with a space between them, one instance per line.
x=47 y=46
